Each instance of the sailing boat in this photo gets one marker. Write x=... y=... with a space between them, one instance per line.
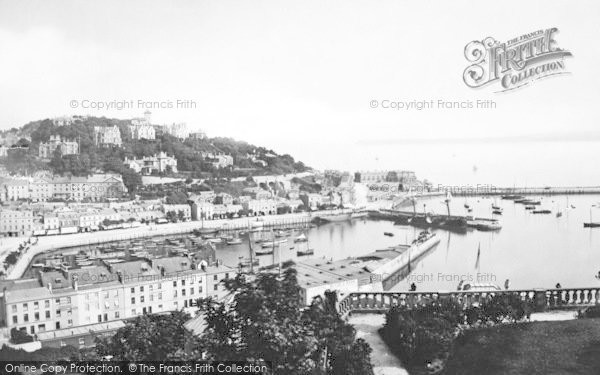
x=267 y=247
x=307 y=251
x=301 y=238
x=236 y=240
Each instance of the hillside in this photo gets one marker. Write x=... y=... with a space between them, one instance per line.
x=247 y=159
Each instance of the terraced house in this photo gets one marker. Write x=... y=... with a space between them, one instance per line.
x=59 y=302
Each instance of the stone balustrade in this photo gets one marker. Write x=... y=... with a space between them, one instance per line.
x=542 y=299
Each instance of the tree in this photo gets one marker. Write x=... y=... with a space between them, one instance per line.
x=131 y=179
x=267 y=322
x=152 y=338
x=171 y=216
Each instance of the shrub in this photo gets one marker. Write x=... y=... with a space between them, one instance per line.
x=505 y=307
x=590 y=312
x=420 y=335
x=424 y=334
x=19 y=337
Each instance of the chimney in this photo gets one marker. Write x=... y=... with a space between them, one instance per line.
x=50 y=287
x=120 y=276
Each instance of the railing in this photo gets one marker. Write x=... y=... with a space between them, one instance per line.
x=542 y=299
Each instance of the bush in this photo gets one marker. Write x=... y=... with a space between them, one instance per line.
x=505 y=307
x=419 y=336
x=19 y=337
x=590 y=312
x=425 y=334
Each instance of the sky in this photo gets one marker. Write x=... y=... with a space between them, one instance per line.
x=299 y=77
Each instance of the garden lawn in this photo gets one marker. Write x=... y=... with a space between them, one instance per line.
x=560 y=347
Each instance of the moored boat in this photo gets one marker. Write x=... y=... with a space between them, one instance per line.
x=301 y=238
x=273 y=243
x=305 y=252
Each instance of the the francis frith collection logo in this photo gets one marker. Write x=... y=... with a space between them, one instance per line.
x=515 y=63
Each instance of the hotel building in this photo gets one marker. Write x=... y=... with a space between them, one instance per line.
x=58 y=302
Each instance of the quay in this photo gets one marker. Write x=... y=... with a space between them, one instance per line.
x=442 y=221
x=547 y=190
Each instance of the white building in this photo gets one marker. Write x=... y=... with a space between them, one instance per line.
x=178 y=130
x=66 y=147
x=16 y=222
x=218 y=160
x=70 y=300
x=184 y=209
x=107 y=135
x=149 y=164
x=261 y=206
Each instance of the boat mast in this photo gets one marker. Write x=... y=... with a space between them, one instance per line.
x=251 y=252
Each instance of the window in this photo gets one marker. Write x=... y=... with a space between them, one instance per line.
x=132 y=290
x=58 y=313
x=151 y=297
x=106 y=294
x=15 y=319
x=141 y=289
x=182 y=282
x=150 y=287
x=200 y=289
x=133 y=300
x=175 y=293
x=216 y=287
x=132 y=311
x=25 y=307
x=70 y=322
x=14 y=308
x=68 y=299
x=116 y=315
x=62 y=343
x=81 y=341
x=191 y=290
x=47 y=303
x=175 y=283
x=227 y=276
x=159 y=295
x=26 y=317
x=57 y=301
x=215 y=277
x=183 y=292
x=47 y=314
x=87 y=307
x=159 y=286
x=142 y=299
x=36 y=316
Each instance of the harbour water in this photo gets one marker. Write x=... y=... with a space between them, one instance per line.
x=530 y=250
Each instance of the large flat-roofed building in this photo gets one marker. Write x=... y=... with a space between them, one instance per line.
x=62 y=301
x=315 y=276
